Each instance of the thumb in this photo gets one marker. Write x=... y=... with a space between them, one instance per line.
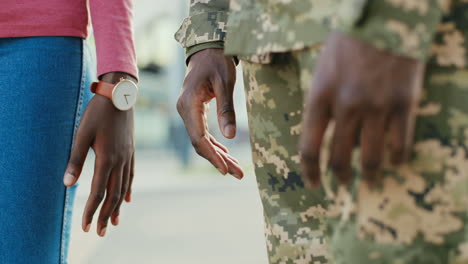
x=225 y=108
x=77 y=158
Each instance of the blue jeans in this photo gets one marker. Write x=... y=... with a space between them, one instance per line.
x=44 y=90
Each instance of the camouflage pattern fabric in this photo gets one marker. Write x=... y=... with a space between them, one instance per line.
x=267 y=26
x=418 y=215
x=206 y=25
x=261 y=27
x=295 y=224
x=258 y=26
x=405 y=27
x=206 y=22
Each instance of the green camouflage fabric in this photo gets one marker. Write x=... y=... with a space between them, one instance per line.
x=418 y=215
x=405 y=27
x=295 y=226
x=206 y=24
x=261 y=27
x=268 y=26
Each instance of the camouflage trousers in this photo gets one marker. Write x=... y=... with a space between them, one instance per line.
x=418 y=215
x=294 y=217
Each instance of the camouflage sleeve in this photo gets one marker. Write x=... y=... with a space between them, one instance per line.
x=405 y=27
x=205 y=27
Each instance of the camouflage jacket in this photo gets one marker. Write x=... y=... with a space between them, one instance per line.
x=259 y=27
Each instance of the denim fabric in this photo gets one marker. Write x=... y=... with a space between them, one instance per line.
x=44 y=89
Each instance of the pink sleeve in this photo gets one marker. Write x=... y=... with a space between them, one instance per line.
x=113 y=31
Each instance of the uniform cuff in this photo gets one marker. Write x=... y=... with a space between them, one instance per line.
x=202 y=28
x=209 y=45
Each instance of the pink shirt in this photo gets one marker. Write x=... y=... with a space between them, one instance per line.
x=112 y=25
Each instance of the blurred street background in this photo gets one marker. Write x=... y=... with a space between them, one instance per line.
x=183 y=210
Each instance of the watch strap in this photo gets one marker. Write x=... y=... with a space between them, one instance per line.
x=103 y=88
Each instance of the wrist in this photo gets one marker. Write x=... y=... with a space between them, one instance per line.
x=200 y=47
x=209 y=54
x=115 y=77
x=119 y=87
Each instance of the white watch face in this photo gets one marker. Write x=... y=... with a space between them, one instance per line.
x=124 y=95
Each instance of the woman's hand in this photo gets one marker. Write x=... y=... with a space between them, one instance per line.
x=110 y=133
x=372 y=96
x=210 y=75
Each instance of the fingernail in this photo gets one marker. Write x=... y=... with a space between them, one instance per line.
x=221 y=171
x=229 y=131
x=237 y=176
x=116 y=221
x=68 y=179
x=103 y=231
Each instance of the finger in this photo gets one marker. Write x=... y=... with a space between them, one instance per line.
x=102 y=171
x=232 y=159
x=233 y=166
x=123 y=192
x=225 y=107
x=372 y=146
x=234 y=169
x=225 y=154
x=194 y=115
x=343 y=142
x=128 y=196
x=83 y=141
x=315 y=124
x=114 y=188
x=207 y=150
x=401 y=132
x=219 y=145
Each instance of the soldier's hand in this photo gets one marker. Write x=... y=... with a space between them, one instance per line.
x=210 y=75
x=372 y=96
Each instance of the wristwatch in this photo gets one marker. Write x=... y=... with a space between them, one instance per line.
x=122 y=94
